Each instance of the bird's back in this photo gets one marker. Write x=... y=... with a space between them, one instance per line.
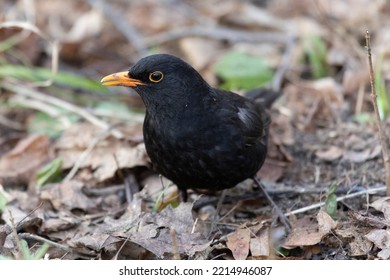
x=213 y=146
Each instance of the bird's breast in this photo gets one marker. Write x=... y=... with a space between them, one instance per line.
x=197 y=152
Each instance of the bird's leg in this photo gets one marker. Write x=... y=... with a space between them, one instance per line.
x=275 y=207
x=217 y=209
x=131 y=187
x=183 y=194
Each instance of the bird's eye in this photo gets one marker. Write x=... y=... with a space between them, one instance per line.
x=156 y=76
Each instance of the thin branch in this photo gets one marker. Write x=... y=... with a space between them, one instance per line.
x=341 y=198
x=15 y=236
x=278 y=77
x=119 y=21
x=216 y=33
x=35 y=237
x=83 y=156
x=275 y=207
x=382 y=137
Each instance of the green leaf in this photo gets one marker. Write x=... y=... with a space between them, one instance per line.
x=331 y=202
x=40 y=253
x=42 y=123
x=117 y=110
x=380 y=89
x=3 y=200
x=39 y=74
x=28 y=255
x=316 y=51
x=50 y=173
x=25 y=250
x=363 y=118
x=242 y=71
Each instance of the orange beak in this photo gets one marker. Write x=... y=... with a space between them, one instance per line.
x=120 y=79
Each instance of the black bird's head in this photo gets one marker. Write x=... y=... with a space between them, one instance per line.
x=160 y=80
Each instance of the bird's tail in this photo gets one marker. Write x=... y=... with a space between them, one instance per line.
x=263 y=96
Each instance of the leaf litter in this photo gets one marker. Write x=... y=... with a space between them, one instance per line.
x=315 y=142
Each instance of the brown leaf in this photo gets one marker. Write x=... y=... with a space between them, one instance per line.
x=238 y=243
x=325 y=222
x=307 y=233
x=368 y=220
x=383 y=205
x=311 y=103
x=21 y=220
x=360 y=246
x=106 y=158
x=384 y=254
x=68 y=195
x=362 y=156
x=260 y=245
x=94 y=241
x=270 y=171
x=21 y=163
x=58 y=224
x=331 y=154
x=380 y=237
x=153 y=231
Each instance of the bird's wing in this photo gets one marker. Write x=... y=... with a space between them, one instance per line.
x=250 y=116
x=254 y=123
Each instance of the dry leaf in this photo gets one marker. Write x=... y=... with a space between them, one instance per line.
x=58 y=224
x=325 y=222
x=384 y=254
x=153 y=231
x=383 y=205
x=331 y=154
x=94 y=241
x=25 y=158
x=368 y=220
x=360 y=246
x=306 y=233
x=362 y=156
x=380 y=237
x=68 y=195
x=260 y=245
x=106 y=158
x=238 y=243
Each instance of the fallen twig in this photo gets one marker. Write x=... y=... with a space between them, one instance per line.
x=285 y=62
x=382 y=137
x=216 y=33
x=120 y=23
x=26 y=235
x=341 y=198
x=83 y=156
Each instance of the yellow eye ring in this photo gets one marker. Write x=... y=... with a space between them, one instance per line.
x=156 y=76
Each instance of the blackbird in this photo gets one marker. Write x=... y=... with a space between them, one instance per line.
x=197 y=136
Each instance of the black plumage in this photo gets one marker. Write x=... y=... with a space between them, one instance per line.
x=196 y=135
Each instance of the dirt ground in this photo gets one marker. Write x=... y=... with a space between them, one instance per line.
x=76 y=181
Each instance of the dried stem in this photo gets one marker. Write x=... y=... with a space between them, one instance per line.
x=36 y=95
x=382 y=137
x=341 y=198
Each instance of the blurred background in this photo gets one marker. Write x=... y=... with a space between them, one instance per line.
x=68 y=141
